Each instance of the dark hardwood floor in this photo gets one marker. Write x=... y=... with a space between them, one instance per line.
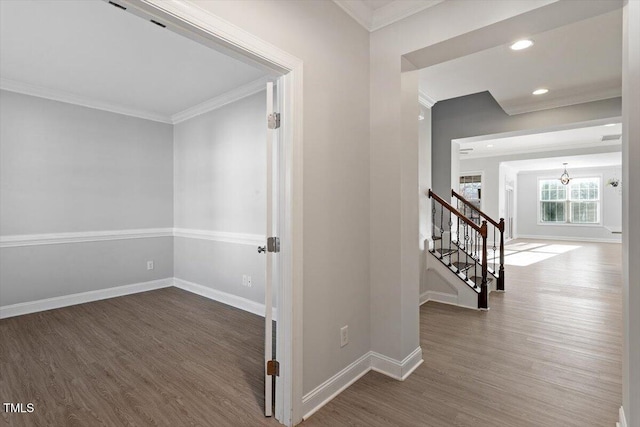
x=547 y=354
x=159 y=358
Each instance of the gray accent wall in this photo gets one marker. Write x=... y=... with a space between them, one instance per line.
x=480 y=114
x=66 y=168
x=220 y=185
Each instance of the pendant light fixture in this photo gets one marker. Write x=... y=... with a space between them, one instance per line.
x=564 y=178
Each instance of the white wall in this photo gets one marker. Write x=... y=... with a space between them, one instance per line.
x=220 y=168
x=66 y=168
x=528 y=207
x=335 y=251
x=424 y=172
x=493 y=184
x=631 y=212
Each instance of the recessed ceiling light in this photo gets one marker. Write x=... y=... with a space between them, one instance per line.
x=610 y=124
x=522 y=44
x=489 y=145
x=540 y=91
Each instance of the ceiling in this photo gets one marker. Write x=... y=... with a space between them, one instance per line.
x=375 y=14
x=93 y=52
x=579 y=62
x=583 y=137
x=573 y=162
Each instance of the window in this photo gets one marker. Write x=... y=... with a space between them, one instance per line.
x=471 y=189
x=575 y=203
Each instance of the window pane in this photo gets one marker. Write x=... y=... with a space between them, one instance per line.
x=584 y=189
x=552 y=212
x=584 y=212
x=552 y=189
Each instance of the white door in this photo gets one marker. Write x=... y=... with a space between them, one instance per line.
x=509 y=214
x=273 y=247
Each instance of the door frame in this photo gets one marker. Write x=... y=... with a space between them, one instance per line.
x=204 y=27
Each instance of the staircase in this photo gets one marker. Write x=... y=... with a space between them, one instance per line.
x=469 y=246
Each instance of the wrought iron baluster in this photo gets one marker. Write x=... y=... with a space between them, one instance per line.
x=441 y=229
x=450 y=224
x=494 y=249
x=466 y=251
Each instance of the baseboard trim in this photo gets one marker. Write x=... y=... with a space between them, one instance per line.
x=441 y=297
x=623 y=418
x=371 y=361
x=223 y=297
x=398 y=370
x=569 y=239
x=325 y=392
x=81 y=298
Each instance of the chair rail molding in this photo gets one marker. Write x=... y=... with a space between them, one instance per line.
x=19 y=240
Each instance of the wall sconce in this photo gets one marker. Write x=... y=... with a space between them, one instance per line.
x=613 y=182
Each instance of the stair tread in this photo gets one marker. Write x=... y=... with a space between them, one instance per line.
x=462 y=266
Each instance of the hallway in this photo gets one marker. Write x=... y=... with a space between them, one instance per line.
x=548 y=353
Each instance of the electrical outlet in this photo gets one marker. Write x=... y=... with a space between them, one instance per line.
x=344 y=336
x=249 y=281
x=149 y=265
x=244 y=280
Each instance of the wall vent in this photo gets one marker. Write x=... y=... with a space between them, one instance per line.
x=606 y=138
x=158 y=23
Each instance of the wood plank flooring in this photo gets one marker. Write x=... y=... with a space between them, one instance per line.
x=159 y=358
x=547 y=354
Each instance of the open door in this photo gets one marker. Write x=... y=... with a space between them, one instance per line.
x=272 y=368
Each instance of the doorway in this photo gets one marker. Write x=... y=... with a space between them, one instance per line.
x=197 y=24
x=128 y=150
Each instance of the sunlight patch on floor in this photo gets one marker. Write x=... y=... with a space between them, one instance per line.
x=523 y=254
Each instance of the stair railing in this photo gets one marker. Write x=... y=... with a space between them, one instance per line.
x=497 y=229
x=473 y=245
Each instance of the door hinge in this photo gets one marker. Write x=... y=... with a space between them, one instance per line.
x=273 y=244
x=273 y=368
x=273 y=121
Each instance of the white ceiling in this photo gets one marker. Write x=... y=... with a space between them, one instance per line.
x=578 y=63
x=583 y=137
x=90 y=50
x=573 y=162
x=375 y=14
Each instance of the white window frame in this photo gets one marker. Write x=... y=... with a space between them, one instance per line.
x=567 y=221
x=472 y=173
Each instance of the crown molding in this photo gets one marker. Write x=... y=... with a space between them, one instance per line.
x=83 y=101
x=425 y=99
x=398 y=10
x=221 y=100
x=373 y=20
x=204 y=107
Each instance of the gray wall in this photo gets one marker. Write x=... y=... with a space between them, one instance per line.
x=66 y=168
x=32 y=273
x=220 y=185
x=479 y=114
x=610 y=199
